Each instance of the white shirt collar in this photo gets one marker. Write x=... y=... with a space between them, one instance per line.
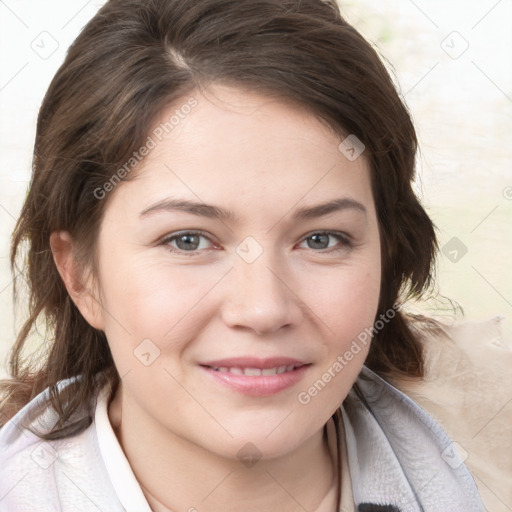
x=127 y=487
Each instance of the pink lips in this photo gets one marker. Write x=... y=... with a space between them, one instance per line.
x=256 y=377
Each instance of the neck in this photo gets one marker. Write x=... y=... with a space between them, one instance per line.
x=176 y=474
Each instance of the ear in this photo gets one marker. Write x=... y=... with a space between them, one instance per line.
x=83 y=294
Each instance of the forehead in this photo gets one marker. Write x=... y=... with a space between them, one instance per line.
x=241 y=121
x=247 y=150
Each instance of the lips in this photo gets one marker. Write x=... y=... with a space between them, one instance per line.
x=254 y=376
x=255 y=372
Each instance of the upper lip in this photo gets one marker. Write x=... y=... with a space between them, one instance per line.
x=254 y=362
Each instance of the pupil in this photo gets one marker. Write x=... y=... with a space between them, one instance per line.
x=319 y=241
x=188 y=242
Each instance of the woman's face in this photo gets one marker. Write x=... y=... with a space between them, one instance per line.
x=235 y=271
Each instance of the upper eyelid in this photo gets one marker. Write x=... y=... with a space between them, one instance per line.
x=210 y=237
x=207 y=235
x=340 y=234
x=176 y=234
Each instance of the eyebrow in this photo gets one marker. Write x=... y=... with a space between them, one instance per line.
x=336 y=205
x=215 y=212
x=200 y=209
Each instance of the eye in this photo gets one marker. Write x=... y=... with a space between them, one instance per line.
x=187 y=241
x=326 y=240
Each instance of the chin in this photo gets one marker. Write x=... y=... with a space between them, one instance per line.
x=264 y=436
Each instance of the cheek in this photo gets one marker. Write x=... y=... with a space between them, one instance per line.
x=156 y=302
x=347 y=302
x=347 y=306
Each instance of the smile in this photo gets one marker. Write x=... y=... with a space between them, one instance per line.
x=255 y=372
x=256 y=377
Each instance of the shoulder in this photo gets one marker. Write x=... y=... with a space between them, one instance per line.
x=18 y=436
x=64 y=474
x=399 y=455
x=467 y=390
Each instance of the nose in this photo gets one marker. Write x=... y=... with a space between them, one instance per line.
x=260 y=297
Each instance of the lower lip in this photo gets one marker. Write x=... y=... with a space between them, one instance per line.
x=258 y=385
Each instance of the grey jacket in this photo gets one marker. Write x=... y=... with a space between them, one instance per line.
x=399 y=457
x=399 y=460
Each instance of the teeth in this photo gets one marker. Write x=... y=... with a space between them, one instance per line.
x=255 y=372
x=252 y=371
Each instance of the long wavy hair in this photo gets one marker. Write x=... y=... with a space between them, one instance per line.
x=137 y=57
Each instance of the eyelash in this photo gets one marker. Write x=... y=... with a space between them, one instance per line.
x=345 y=240
x=168 y=239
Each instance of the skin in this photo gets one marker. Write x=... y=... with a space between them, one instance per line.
x=262 y=159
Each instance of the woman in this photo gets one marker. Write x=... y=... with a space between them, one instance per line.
x=221 y=231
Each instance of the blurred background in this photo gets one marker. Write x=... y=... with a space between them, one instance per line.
x=453 y=66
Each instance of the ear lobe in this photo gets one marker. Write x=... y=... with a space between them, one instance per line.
x=72 y=274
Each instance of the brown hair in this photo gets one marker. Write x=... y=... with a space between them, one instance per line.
x=136 y=57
